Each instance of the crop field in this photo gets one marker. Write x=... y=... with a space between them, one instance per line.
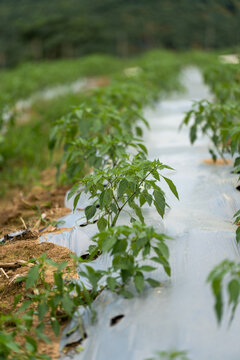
x=113 y=214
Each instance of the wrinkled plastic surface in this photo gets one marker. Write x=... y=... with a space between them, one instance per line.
x=178 y=315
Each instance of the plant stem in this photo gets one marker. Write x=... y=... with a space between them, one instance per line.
x=120 y=208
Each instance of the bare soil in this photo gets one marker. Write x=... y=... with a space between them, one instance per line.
x=32 y=209
x=217 y=162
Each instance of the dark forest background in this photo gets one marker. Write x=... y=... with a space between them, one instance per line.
x=50 y=29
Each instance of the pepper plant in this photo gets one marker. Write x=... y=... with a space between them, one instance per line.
x=112 y=115
x=97 y=151
x=216 y=120
x=129 y=247
x=225 y=275
x=53 y=303
x=12 y=326
x=219 y=120
x=132 y=183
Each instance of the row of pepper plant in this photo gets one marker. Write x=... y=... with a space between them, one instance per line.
x=102 y=136
x=219 y=119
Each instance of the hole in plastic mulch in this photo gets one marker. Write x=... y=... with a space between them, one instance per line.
x=115 y=320
x=73 y=345
x=87 y=223
x=238 y=188
x=85 y=256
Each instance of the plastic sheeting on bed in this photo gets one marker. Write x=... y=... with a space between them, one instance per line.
x=179 y=314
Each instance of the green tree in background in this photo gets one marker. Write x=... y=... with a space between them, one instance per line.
x=35 y=30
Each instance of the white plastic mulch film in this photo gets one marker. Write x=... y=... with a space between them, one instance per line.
x=178 y=315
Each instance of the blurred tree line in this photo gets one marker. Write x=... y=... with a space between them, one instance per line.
x=49 y=29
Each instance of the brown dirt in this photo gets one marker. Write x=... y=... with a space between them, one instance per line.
x=25 y=250
x=32 y=209
x=97 y=82
x=217 y=162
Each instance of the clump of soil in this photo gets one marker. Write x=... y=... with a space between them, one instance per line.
x=217 y=162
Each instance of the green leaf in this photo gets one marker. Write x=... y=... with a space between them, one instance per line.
x=137 y=210
x=139 y=131
x=107 y=197
x=164 y=249
x=32 y=276
x=171 y=186
x=236 y=214
x=58 y=281
x=56 y=327
x=67 y=304
x=101 y=200
x=216 y=287
x=123 y=186
x=233 y=290
x=238 y=234
x=90 y=211
x=193 y=134
x=42 y=310
x=120 y=246
x=148 y=197
x=108 y=243
x=25 y=305
x=155 y=174
x=214 y=157
x=218 y=307
x=142 y=200
x=87 y=296
x=40 y=334
x=143 y=148
x=187 y=118
x=147 y=268
x=61 y=266
x=112 y=283
x=17 y=298
x=51 y=262
x=161 y=260
x=76 y=201
x=122 y=262
x=127 y=294
x=159 y=202
x=102 y=224
x=139 y=281
x=73 y=190
x=31 y=344
x=126 y=275
x=11 y=345
x=152 y=282
x=114 y=208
